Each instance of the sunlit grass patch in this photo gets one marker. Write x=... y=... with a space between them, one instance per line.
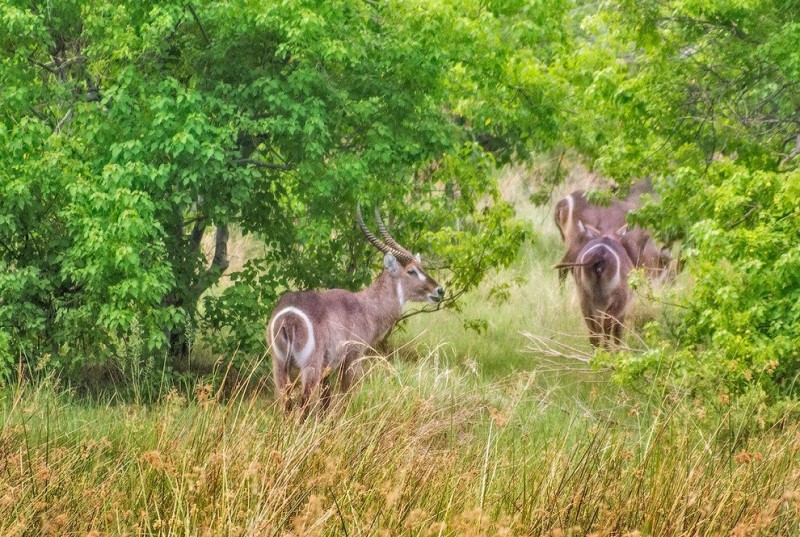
x=421 y=448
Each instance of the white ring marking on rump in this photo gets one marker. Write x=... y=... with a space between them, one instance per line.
x=617 y=276
x=302 y=356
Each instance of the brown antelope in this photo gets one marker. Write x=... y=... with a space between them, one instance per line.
x=644 y=253
x=575 y=207
x=637 y=242
x=601 y=272
x=311 y=332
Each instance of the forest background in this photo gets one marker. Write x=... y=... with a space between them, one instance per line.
x=141 y=143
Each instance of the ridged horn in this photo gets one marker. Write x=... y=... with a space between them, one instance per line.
x=402 y=255
x=387 y=237
x=375 y=241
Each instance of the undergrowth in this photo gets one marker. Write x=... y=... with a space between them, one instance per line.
x=419 y=449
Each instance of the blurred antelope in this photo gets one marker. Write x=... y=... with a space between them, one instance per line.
x=601 y=272
x=311 y=332
x=638 y=243
x=575 y=207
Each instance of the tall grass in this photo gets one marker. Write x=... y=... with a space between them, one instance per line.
x=473 y=435
x=418 y=449
x=525 y=297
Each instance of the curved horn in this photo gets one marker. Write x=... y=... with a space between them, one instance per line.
x=401 y=255
x=375 y=241
x=387 y=236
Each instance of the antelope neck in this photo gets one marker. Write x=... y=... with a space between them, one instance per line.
x=385 y=296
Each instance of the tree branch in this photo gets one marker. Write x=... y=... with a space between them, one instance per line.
x=57 y=68
x=267 y=165
x=43 y=66
x=199 y=23
x=64 y=119
x=793 y=153
x=197 y=231
x=220 y=261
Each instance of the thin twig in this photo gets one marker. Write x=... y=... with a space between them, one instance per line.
x=267 y=165
x=199 y=23
x=64 y=119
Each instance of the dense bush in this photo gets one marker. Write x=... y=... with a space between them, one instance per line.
x=703 y=96
x=130 y=131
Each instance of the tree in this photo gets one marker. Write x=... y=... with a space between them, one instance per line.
x=130 y=131
x=704 y=97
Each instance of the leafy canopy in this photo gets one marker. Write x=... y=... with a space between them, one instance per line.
x=132 y=130
x=704 y=97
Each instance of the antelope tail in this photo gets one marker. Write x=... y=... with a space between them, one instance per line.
x=287 y=362
x=560 y=266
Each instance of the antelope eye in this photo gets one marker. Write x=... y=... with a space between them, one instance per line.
x=412 y=272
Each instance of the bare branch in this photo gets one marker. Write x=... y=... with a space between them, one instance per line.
x=57 y=68
x=43 y=66
x=199 y=23
x=64 y=119
x=793 y=153
x=431 y=308
x=267 y=165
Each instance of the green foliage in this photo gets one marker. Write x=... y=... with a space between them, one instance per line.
x=507 y=95
x=130 y=131
x=703 y=96
x=743 y=316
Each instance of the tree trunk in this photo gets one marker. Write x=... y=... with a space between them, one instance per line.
x=192 y=280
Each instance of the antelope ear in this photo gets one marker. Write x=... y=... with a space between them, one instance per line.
x=391 y=264
x=590 y=231
x=621 y=232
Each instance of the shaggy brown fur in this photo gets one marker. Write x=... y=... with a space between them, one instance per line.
x=637 y=242
x=312 y=333
x=601 y=277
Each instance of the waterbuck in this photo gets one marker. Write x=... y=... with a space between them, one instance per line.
x=645 y=253
x=638 y=243
x=575 y=207
x=312 y=333
x=601 y=272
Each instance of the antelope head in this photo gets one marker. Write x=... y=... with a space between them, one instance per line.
x=413 y=284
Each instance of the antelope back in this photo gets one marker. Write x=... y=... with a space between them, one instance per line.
x=576 y=208
x=644 y=252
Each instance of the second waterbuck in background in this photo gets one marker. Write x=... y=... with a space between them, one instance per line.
x=638 y=243
x=601 y=276
x=313 y=332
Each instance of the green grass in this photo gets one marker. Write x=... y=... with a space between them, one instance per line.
x=534 y=303
x=459 y=433
x=417 y=449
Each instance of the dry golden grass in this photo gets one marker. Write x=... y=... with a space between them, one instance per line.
x=418 y=449
x=476 y=435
